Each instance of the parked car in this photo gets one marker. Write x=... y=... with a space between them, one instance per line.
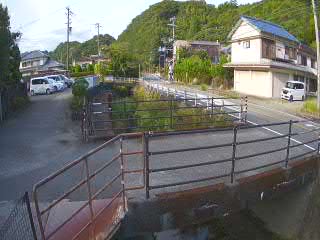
x=60 y=82
x=69 y=82
x=41 y=85
x=293 y=90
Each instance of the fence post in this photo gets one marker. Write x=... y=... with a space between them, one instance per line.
x=195 y=100
x=212 y=106
x=185 y=96
x=1 y=114
x=122 y=174
x=89 y=188
x=222 y=105
x=146 y=159
x=234 y=149
x=171 y=113
x=245 y=108
x=288 y=146
x=34 y=233
x=125 y=112
x=241 y=110
x=168 y=92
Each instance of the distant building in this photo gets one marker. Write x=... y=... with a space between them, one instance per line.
x=212 y=48
x=93 y=59
x=37 y=62
x=265 y=56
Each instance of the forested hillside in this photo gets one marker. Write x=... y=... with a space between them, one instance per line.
x=85 y=49
x=201 y=21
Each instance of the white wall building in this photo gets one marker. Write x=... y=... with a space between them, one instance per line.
x=265 y=56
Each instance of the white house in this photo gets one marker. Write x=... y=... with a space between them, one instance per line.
x=265 y=56
x=37 y=62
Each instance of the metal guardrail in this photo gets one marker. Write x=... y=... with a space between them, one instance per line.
x=43 y=213
x=235 y=156
x=19 y=224
x=147 y=138
x=168 y=114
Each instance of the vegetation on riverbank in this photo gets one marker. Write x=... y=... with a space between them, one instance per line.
x=149 y=111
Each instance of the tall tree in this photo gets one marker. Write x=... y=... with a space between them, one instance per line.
x=10 y=54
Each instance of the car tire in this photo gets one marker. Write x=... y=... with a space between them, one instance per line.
x=291 y=98
x=32 y=93
x=302 y=98
x=55 y=89
x=48 y=92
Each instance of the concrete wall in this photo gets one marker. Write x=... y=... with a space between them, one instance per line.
x=256 y=83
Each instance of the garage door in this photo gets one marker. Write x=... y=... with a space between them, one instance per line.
x=279 y=81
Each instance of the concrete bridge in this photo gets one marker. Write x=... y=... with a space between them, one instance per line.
x=186 y=174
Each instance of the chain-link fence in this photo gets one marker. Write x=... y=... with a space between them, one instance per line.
x=19 y=224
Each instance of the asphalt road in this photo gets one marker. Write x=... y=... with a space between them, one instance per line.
x=36 y=142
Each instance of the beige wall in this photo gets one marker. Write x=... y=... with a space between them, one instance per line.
x=256 y=83
x=240 y=54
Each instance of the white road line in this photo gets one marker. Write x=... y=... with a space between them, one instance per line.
x=253 y=123
x=278 y=133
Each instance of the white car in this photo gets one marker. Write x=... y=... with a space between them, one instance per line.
x=67 y=81
x=293 y=90
x=41 y=85
x=60 y=82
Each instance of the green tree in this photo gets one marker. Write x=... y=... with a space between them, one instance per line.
x=9 y=51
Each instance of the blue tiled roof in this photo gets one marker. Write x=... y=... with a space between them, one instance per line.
x=271 y=28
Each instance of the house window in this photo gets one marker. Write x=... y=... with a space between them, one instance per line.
x=246 y=44
x=268 y=49
x=313 y=63
x=286 y=50
x=292 y=53
x=24 y=64
x=303 y=60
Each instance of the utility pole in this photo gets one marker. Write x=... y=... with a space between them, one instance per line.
x=173 y=25
x=98 y=26
x=69 y=14
x=315 y=14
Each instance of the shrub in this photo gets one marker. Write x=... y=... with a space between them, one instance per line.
x=76 y=104
x=204 y=87
x=20 y=102
x=80 y=88
x=81 y=74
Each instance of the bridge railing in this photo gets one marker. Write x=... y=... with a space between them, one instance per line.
x=170 y=160
x=241 y=154
x=94 y=203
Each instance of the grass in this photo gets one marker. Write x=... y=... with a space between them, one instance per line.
x=162 y=115
x=204 y=87
x=310 y=107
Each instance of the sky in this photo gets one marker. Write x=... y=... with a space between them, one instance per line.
x=43 y=22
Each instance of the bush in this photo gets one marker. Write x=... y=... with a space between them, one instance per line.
x=80 y=88
x=81 y=74
x=204 y=87
x=20 y=102
x=121 y=91
x=76 y=104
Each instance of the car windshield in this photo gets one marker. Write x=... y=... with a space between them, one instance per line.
x=290 y=85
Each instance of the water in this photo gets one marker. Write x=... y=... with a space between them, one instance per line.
x=234 y=226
